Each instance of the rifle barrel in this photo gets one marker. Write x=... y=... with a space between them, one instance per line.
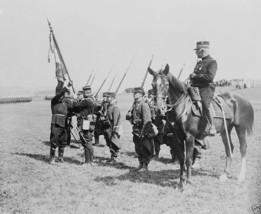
x=146 y=74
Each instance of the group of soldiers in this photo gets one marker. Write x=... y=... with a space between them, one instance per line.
x=90 y=114
x=95 y=118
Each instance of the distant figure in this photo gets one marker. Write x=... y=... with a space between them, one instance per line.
x=59 y=106
x=139 y=115
x=112 y=132
x=202 y=78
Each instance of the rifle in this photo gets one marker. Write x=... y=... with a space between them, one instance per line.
x=92 y=80
x=89 y=79
x=181 y=70
x=125 y=73
x=59 y=52
x=112 y=82
x=103 y=82
x=144 y=79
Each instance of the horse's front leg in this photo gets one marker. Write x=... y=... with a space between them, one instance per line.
x=189 y=156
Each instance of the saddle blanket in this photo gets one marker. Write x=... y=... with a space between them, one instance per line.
x=215 y=107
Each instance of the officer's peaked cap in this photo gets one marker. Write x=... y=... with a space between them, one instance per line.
x=202 y=44
x=111 y=94
x=138 y=90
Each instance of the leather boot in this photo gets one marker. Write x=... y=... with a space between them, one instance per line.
x=52 y=155
x=87 y=156
x=144 y=168
x=111 y=160
x=212 y=130
x=60 y=155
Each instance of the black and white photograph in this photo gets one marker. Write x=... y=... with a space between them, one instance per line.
x=130 y=106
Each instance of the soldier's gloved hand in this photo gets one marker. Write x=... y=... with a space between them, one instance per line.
x=191 y=76
x=70 y=83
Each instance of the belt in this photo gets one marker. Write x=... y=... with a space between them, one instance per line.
x=60 y=115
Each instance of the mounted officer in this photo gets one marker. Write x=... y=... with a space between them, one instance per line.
x=202 y=78
x=59 y=106
x=139 y=116
x=86 y=122
x=113 y=130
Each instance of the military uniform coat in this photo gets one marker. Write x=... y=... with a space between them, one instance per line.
x=140 y=116
x=112 y=135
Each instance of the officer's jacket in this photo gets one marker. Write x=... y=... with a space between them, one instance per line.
x=140 y=114
x=59 y=108
x=205 y=71
x=85 y=106
x=114 y=115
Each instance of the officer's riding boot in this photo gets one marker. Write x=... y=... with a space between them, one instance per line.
x=60 y=155
x=212 y=130
x=138 y=168
x=52 y=155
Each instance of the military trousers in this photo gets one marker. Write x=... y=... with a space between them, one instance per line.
x=143 y=148
x=113 y=142
x=58 y=136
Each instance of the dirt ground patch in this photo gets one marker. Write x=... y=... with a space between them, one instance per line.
x=28 y=184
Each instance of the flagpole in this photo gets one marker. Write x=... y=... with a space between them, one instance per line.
x=59 y=52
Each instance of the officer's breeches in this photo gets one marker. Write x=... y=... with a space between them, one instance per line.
x=58 y=136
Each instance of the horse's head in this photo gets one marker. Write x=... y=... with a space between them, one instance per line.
x=160 y=85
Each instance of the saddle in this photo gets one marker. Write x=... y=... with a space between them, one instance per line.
x=216 y=106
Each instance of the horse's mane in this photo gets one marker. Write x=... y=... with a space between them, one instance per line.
x=175 y=83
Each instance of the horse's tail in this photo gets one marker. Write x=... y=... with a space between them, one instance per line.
x=250 y=120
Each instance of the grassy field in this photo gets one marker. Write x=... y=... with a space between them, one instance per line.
x=28 y=184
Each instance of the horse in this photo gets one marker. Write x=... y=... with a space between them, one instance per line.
x=178 y=112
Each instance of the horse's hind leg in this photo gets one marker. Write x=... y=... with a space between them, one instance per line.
x=229 y=152
x=241 y=133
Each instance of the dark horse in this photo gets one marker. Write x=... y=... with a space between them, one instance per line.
x=178 y=112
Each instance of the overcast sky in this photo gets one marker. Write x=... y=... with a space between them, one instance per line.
x=94 y=35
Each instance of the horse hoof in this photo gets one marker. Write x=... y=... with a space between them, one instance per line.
x=223 y=177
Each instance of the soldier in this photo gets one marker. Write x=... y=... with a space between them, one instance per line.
x=59 y=107
x=113 y=131
x=86 y=123
x=139 y=116
x=165 y=132
x=100 y=112
x=202 y=78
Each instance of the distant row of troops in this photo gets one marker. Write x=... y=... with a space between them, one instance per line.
x=95 y=118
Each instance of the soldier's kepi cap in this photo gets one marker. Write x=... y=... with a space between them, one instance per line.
x=80 y=92
x=109 y=94
x=202 y=44
x=87 y=87
x=138 y=90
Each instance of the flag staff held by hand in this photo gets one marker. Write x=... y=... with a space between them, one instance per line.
x=59 y=53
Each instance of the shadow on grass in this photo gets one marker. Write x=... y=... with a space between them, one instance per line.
x=101 y=161
x=164 y=178
x=131 y=154
x=45 y=158
x=74 y=144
